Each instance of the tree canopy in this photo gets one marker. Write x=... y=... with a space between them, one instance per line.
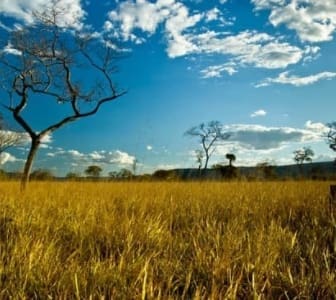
x=208 y=135
x=46 y=66
x=93 y=171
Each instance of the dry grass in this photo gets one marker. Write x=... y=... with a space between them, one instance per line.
x=167 y=240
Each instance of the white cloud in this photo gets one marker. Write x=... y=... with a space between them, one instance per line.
x=259 y=137
x=316 y=127
x=10 y=50
x=95 y=155
x=142 y=15
x=246 y=48
x=216 y=71
x=313 y=20
x=146 y=16
x=7 y=157
x=267 y=4
x=168 y=166
x=74 y=153
x=104 y=157
x=3 y=26
x=178 y=43
x=252 y=48
x=71 y=12
x=120 y=157
x=285 y=78
x=258 y=113
x=149 y=147
x=212 y=15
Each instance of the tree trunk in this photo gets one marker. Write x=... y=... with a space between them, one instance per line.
x=29 y=162
x=206 y=162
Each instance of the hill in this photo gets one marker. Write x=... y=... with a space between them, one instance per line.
x=318 y=171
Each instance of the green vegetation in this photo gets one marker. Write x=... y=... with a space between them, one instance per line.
x=127 y=240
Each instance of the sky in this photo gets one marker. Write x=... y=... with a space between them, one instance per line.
x=265 y=69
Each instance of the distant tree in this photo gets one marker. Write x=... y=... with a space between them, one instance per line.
x=208 y=134
x=199 y=157
x=125 y=174
x=72 y=175
x=165 y=175
x=42 y=174
x=113 y=174
x=3 y=174
x=231 y=157
x=303 y=155
x=227 y=172
x=266 y=170
x=93 y=171
x=134 y=166
x=48 y=66
x=331 y=136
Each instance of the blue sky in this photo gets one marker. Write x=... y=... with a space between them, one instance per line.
x=266 y=69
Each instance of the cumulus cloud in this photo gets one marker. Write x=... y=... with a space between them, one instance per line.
x=104 y=157
x=71 y=12
x=313 y=20
x=218 y=70
x=8 y=49
x=142 y=15
x=316 y=127
x=187 y=33
x=258 y=113
x=251 y=48
x=178 y=43
x=286 y=78
x=260 y=137
x=212 y=15
x=6 y=157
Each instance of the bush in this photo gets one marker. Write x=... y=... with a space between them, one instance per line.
x=41 y=174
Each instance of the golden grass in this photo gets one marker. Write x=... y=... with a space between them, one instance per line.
x=167 y=240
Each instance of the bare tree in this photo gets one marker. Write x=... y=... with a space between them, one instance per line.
x=47 y=67
x=134 y=166
x=331 y=136
x=199 y=158
x=303 y=155
x=209 y=134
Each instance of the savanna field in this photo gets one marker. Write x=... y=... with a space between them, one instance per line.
x=172 y=240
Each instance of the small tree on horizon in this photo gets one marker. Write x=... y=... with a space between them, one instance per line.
x=42 y=174
x=231 y=157
x=331 y=136
x=72 y=175
x=209 y=134
x=303 y=155
x=93 y=171
x=199 y=158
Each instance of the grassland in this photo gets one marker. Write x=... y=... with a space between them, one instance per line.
x=203 y=240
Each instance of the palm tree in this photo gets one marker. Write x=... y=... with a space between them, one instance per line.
x=231 y=157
